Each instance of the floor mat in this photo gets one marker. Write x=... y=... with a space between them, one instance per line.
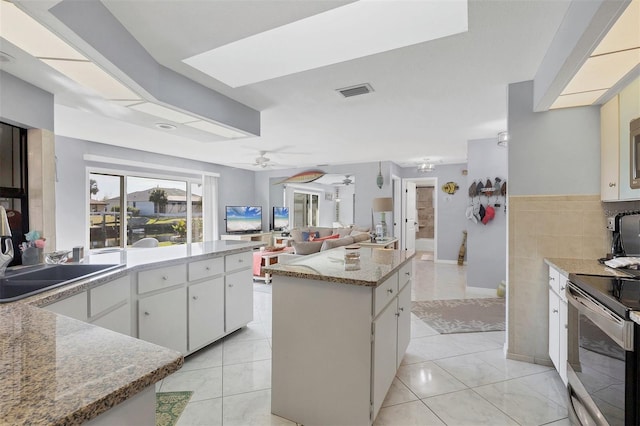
x=462 y=315
x=169 y=406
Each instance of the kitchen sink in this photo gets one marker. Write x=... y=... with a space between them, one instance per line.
x=21 y=283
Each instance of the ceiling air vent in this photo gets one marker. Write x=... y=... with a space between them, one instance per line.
x=360 y=89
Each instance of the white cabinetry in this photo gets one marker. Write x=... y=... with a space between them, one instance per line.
x=73 y=307
x=162 y=319
x=337 y=345
x=615 y=169
x=609 y=151
x=110 y=305
x=206 y=312
x=238 y=299
x=558 y=321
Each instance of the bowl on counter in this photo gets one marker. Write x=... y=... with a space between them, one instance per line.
x=57 y=257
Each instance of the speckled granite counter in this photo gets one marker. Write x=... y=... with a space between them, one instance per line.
x=330 y=266
x=57 y=370
x=583 y=266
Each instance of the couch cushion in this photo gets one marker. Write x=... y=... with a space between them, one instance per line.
x=329 y=244
x=322 y=231
x=358 y=238
x=296 y=234
x=306 y=247
x=342 y=232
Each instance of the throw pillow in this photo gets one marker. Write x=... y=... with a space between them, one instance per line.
x=307 y=247
x=309 y=236
x=342 y=232
x=330 y=237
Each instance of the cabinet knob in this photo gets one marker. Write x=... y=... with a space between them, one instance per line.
x=397 y=314
x=147 y=313
x=552 y=278
x=401 y=309
x=240 y=260
x=164 y=277
x=195 y=297
x=562 y=288
x=230 y=285
x=555 y=311
x=390 y=291
x=207 y=268
x=407 y=273
x=612 y=184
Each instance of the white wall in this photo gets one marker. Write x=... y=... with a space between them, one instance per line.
x=487 y=244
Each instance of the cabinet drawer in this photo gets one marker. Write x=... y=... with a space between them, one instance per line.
x=237 y=261
x=384 y=293
x=156 y=279
x=107 y=295
x=405 y=274
x=206 y=268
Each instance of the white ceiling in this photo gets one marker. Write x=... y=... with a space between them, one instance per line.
x=429 y=99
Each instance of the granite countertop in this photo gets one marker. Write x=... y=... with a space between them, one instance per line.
x=376 y=265
x=57 y=370
x=583 y=266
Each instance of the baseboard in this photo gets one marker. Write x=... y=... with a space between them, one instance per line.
x=530 y=359
x=449 y=262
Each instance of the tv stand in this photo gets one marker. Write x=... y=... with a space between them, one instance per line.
x=265 y=237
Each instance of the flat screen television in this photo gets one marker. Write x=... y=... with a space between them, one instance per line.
x=280 y=218
x=243 y=219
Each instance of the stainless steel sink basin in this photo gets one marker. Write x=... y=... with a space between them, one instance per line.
x=21 y=283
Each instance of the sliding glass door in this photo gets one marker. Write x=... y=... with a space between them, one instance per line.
x=305 y=209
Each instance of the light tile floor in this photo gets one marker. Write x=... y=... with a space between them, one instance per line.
x=455 y=379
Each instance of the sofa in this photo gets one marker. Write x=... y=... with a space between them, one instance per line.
x=315 y=239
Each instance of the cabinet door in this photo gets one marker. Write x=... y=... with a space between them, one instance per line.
x=404 y=322
x=629 y=108
x=118 y=320
x=385 y=334
x=609 y=151
x=162 y=319
x=206 y=312
x=554 y=327
x=72 y=307
x=563 y=340
x=239 y=300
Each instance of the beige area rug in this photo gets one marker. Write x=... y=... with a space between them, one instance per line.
x=169 y=406
x=426 y=257
x=462 y=315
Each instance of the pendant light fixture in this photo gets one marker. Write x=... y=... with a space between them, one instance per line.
x=426 y=166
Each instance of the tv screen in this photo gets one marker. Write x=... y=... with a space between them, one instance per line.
x=243 y=219
x=280 y=218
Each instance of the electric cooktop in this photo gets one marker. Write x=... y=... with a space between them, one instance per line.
x=618 y=294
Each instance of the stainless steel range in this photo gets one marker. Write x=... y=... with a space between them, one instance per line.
x=603 y=350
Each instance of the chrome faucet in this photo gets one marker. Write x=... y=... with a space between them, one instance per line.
x=6 y=244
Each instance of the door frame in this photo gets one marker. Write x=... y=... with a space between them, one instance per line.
x=431 y=181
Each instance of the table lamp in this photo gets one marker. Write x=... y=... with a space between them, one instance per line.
x=382 y=205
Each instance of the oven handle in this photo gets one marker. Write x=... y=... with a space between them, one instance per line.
x=617 y=328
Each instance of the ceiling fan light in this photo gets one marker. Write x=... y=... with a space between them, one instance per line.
x=426 y=167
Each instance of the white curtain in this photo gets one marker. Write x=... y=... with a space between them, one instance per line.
x=210 y=208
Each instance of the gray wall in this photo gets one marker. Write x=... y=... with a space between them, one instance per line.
x=235 y=186
x=451 y=220
x=554 y=152
x=487 y=244
x=24 y=105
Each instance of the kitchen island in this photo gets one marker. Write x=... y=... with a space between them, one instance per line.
x=58 y=370
x=339 y=335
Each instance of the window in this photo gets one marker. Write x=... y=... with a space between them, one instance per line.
x=305 y=209
x=169 y=210
x=13 y=183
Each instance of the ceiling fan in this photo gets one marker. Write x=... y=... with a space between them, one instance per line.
x=345 y=182
x=262 y=161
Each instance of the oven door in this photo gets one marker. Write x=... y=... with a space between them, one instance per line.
x=601 y=366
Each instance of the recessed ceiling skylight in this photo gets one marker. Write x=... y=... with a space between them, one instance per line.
x=348 y=32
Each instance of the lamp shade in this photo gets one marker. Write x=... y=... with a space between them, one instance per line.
x=382 y=205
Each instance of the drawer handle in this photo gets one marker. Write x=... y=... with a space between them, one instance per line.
x=397 y=314
x=390 y=291
x=555 y=311
x=147 y=313
x=552 y=278
x=240 y=260
x=164 y=277
x=612 y=184
x=562 y=288
x=407 y=273
x=195 y=297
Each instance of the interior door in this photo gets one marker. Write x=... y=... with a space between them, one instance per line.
x=410 y=216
